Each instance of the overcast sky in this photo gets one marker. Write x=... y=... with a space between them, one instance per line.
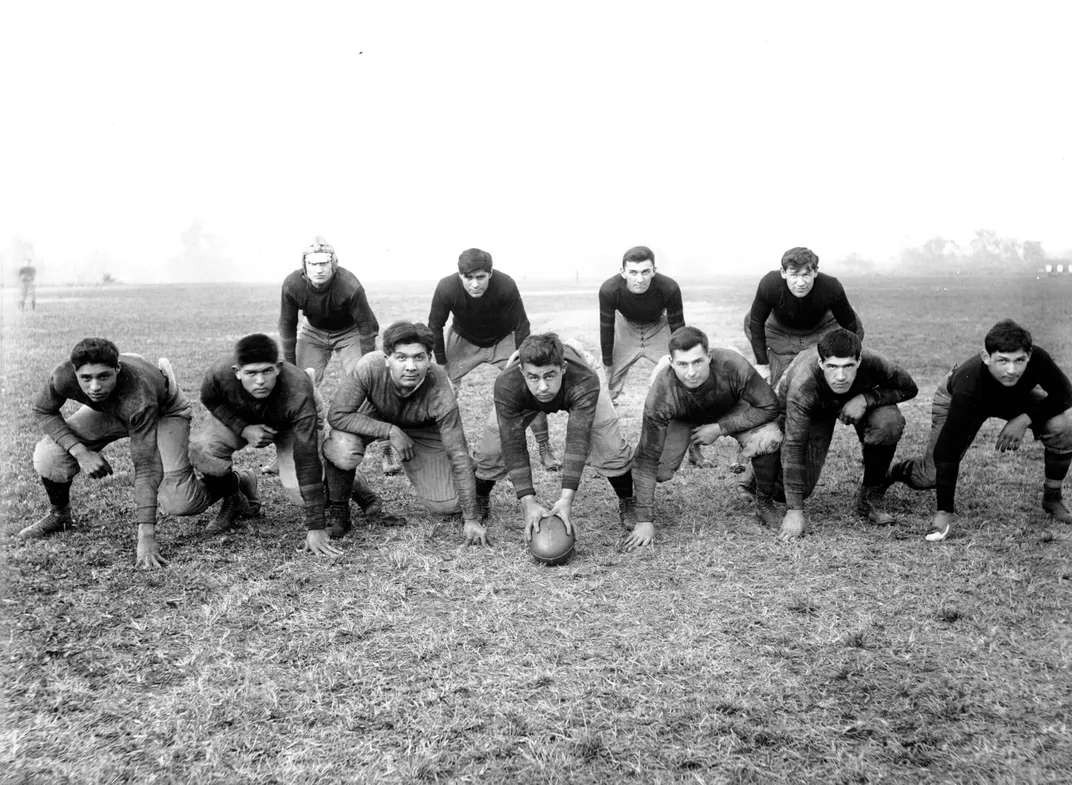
x=554 y=135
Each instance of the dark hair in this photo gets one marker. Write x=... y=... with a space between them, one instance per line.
x=474 y=260
x=640 y=253
x=799 y=257
x=256 y=348
x=1008 y=336
x=542 y=350
x=839 y=343
x=95 y=351
x=408 y=332
x=685 y=338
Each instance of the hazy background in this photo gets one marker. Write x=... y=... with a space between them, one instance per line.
x=212 y=141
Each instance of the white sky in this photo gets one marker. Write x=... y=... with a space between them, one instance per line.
x=555 y=135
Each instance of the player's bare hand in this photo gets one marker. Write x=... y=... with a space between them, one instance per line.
x=854 y=410
x=792 y=525
x=942 y=525
x=563 y=508
x=643 y=534
x=403 y=444
x=317 y=541
x=706 y=434
x=534 y=512
x=473 y=533
x=1012 y=435
x=93 y=464
x=259 y=435
x=149 y=553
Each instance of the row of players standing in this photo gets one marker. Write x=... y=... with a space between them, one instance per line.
x=811 y=371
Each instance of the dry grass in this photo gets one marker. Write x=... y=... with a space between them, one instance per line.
x=855 y=655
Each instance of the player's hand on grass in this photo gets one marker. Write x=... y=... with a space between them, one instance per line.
x=92 y=464
x=706 y=434
x=792 y=525
x=403 y=444
x=473 y=533
x=259 y=435
x=318 y=542
x=942 y=525
x=764 y=371
x=853 y=410
x=1012 y=435
x=643 y=534
x=149 y=551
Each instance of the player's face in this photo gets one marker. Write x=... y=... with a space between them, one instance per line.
x=839 y=372
x=638 y=276
x=1007 y=367
x=97 y=380
x=408 y=364
x=692 y=367
x=258 y=379
x=318 y=268
x=800 y=280
x=544 y=381
x=476 y=283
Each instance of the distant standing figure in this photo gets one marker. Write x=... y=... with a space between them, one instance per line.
x=1012 y=379
x=489 y=324
x=27 y=276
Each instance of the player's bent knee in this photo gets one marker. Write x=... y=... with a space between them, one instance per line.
x=1056 y=433
x=763 y=440
x=344 y=450
x=885 y=425
x=53 y=462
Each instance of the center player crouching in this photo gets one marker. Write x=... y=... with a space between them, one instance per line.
x=551 y=376
x=698 y=394
x=401 y=396
x=839 y=380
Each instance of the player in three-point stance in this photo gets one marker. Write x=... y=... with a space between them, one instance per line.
x=1010 y=378
x=489 y=323
x=550 y=376
x=839 y=380
x=697 y=395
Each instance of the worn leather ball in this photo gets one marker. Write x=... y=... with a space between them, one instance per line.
x=551 y=545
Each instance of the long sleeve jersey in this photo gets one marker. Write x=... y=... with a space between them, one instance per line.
x=368 y=403
x=977 y=395
x=514 y=405
x=804 y=396
x=291 y=406
x=141 y=394
x=340 y=305
x=732 y=379
x=482 y=321
x=799 y=313
x=662 y=296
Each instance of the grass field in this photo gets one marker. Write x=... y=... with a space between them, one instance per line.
x=857 y=654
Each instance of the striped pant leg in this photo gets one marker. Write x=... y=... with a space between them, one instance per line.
x=430 y=472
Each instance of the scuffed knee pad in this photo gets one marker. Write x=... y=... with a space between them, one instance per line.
x=884 y=425
x=344 y=450
x=53 y=462
x=762 y=441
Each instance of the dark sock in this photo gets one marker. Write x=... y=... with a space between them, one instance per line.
x=765 y=468
x=340 y=483
x=59 y=493
x=877 y=459
x=622 y=484
x=221 y=487
x=483 y=487
x=1056 y=465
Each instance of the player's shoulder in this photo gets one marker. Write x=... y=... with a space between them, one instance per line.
x=347 y=281
x=610 y=286
x=503 y=280
x=293 y=280
x=369 y=363
x=723 y=357
x=666 y=283
x=828 y=282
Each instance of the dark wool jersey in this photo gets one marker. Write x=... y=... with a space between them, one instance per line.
x=732 y=379
x=368 y=403
x=804 y=396
x=976 y=396
x=515 y=407
x=141 y=393
x=482 y=321
x=798 y=313
x=291 y=406
x=340 y=305
x=663 y=296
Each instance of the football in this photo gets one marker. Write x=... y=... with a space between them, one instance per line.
x=551 y=545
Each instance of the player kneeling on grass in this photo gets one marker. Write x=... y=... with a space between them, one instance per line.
x=698 y=394
x=549 y=376
x=839 y=380
x=1012 y=379
x=121 y=396
x=401 y=396
x=255 y=399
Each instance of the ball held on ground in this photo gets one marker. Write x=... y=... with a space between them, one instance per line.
x=551 y=544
